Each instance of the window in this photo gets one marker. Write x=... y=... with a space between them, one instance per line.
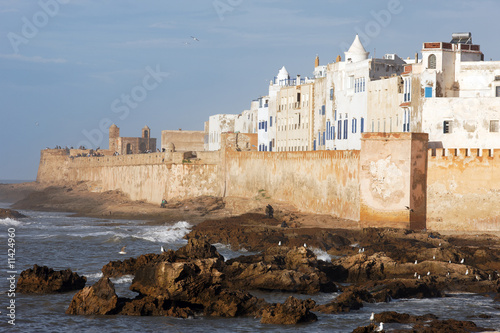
x=345 y=128
x=362 y=125
x=339 y=132
x=323 y=110
x=331 y=94
x=428 y=92
x=432 y=61
x=497 y=91
x=447 y=126
x=494 y=126
x=270 y=121
x=298 y=97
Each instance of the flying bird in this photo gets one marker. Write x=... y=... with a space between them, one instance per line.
x=195 y=39
x=408 y=208
x=122 y=251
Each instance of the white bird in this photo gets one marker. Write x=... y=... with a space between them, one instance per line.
x=462 y=261
x=279 y=243
x=372 y=317
x=428 y=273
x=416 y=262
x=467 y=272
x=162 y=249
x=448 y=274
x=449 y=261
x=489 y=277
x=380 y=327
x=122 y=251
x=415 y=275
x=439 y=244
x=419 y=277
x=359 y=251
x=434 y=257
x=194 y=38
x=478 y=278
x=305 y=245
x=363 y=250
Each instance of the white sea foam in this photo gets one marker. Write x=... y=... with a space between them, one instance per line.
x=322 y=255
x=165 y=234
x=10 y=222
x=95 y=276
x=123 y=279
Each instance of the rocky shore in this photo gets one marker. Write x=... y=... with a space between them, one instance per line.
x=366 y=265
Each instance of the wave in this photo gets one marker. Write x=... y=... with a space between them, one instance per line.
x=322 y=255
x=122 y=279
x=95 y=276
x=8 y=221
x=165 y=234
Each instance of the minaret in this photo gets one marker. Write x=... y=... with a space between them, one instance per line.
x=114 y=134
x=316 y=61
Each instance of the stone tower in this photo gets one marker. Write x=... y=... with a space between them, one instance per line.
x=146 y=132
x=114 y=134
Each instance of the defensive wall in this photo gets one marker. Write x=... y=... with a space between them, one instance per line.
x=393 y=181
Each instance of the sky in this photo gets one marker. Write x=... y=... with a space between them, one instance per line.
x=71 y=68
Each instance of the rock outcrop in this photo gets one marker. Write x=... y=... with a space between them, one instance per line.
x=99 y=299
x=9 y=213
x=292 y=311
x=43 y=280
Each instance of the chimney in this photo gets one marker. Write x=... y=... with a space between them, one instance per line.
x=298 y=79
x=416 y=57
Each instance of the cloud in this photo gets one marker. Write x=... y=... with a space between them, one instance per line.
x=34 y=59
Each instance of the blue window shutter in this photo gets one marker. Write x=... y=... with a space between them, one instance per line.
x=270 y=121
x=345 y=129
x=339 y=129
x=314 y=148
x=428 y=92
x=362 y=125
x=324 y=139
x=323 y=110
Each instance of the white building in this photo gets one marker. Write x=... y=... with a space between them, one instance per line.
x=218 y=124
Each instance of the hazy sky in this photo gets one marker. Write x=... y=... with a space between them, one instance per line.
x=71 y=67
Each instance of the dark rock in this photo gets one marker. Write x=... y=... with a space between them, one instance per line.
x=291 y=312
x=385 y=290
x=99 y=299
x=11 y=214
x=402 y=318
x=366 y=329
x=42 y=280
x=151 y=306
x=351 y=299
x=231 y=303
x=129 y=266
x=447 y=326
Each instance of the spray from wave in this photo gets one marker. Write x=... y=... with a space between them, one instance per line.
x=10 y=222
x=165 y=234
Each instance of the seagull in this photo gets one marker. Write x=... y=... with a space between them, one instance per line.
x=462 y=261
x=439 y=244
x=415 y=275
x=122 y=251
x=449 y=261
x=467 y=272
x=416 y=262
x=434 y=257
x=195 y=39
x=418 y=277
x=478 y=278
x=279 y=243
x=428 y=273
x=448 y=274
x=162 y=249
x=305 y=245
x=408 y=208
x=372 y=317
x=363 y=250
x=380 y=327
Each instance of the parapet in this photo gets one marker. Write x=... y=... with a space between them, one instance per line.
x=462 y=153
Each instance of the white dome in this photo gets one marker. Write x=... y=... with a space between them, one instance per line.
x=283 y=74
x=356 y=52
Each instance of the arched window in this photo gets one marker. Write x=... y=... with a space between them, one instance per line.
x=432 y=61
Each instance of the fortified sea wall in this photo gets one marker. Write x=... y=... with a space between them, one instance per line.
x=393 y=181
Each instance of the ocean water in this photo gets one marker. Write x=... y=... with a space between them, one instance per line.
x=86 y=244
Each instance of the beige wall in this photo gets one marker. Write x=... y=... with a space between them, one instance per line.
x=463 y=192
x=183 y=140
x=323 y=182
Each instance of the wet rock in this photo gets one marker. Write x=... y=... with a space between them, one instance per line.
x=278 y=268
x=99 y=299
x=151 y=306
x=11 y=214
x=402 y=318
x=367 y=329
x=42 y=280
x=231 y=303
x=385 y=290
x=128 y=266
x=350 y=299
x=292 y=311
x=446 y=326
x=197 y=249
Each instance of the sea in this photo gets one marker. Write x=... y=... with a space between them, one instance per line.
x=61 y=241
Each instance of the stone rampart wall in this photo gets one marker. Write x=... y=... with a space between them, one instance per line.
x=463 y=190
